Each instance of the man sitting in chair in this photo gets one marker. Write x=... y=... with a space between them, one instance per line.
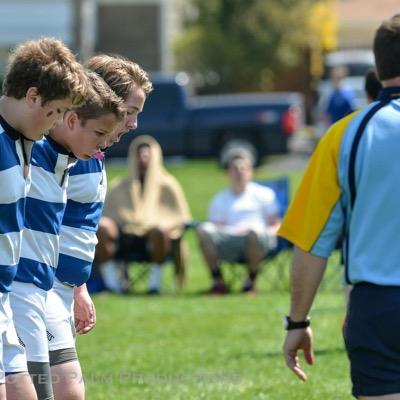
x=242 y=223
x=144 y=217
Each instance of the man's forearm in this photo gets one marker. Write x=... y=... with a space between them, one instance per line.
x=307 y=273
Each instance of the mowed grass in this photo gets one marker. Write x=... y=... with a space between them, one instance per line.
x=190 y=346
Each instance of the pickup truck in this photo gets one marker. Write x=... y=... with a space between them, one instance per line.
x=206 y=125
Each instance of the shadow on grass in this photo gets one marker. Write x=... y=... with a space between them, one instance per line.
x=189 y=295
x=279 y=354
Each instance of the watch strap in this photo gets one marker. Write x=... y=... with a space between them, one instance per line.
x=291 y=325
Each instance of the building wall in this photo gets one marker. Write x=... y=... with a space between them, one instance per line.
x=132 y=30
x=359 y=19
x=24 y=19
x=21 y=20
x=143 y=30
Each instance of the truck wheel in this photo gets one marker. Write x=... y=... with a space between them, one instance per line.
x=229 y=147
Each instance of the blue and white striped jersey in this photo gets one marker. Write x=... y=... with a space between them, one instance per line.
x=85 y=198
x=45 y=207
x=14 y=154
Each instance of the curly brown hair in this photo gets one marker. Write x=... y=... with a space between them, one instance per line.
x=120 y=74
x=102 y=100
x=48 y=65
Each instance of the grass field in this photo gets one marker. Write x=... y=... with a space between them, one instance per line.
x=190 y=346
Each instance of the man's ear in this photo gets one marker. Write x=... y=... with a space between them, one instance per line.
x=32 y=97
x=71 y=119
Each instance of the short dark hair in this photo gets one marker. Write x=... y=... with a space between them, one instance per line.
x=372 y=84
x=237 y=153
x=387 y=48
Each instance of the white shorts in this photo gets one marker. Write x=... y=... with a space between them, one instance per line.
x=28 y=304
x=13 y=358
x=59 y=317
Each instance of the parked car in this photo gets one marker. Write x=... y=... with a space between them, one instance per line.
x=209 y=125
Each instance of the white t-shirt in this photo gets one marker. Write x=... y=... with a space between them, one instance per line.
x=247 y=210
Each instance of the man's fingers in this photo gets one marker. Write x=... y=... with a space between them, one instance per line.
x=292 y=361
x=309 y=356
x=300 y=373
x=294 y=365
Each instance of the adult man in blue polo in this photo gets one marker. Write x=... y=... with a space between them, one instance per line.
x=351 y=185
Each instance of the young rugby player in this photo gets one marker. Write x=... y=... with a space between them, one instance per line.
x=78 y=234
x=81 y=134
x=42 y=81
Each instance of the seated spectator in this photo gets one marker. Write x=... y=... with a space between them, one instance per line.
x=242 y=223
x=145 y=214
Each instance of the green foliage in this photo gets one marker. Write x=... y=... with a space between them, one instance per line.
x=243 y=42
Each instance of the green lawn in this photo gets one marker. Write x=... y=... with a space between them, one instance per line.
x=190 y=346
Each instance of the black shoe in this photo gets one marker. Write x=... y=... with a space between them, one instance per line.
x=249 y=289
x=218 y=289
x=153 y=292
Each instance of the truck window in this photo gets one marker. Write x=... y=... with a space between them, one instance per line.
x=165 y=97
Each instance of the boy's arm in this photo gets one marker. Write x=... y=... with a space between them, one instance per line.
x=84 y=310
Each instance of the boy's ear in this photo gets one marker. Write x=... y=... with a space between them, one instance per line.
x=71 y=119
x=33 y=97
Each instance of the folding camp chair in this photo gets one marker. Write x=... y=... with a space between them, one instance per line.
x=137 y=266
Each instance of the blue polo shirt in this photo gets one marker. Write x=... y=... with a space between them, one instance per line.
x=351 y=186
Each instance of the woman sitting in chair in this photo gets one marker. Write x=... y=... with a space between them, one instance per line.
x=144 y=218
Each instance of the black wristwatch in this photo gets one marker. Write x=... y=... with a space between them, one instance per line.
x=290 y=324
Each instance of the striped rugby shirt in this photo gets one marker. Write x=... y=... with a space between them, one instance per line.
x=85 y=199
x=45 y=207
x=15 y=153
x=351 y=186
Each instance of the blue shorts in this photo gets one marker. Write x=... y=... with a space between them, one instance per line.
x=372 y=337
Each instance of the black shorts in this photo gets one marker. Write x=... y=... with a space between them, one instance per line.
x=372 y=337
x=132 y=248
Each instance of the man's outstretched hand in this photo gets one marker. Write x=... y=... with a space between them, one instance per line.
x=298 y=339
